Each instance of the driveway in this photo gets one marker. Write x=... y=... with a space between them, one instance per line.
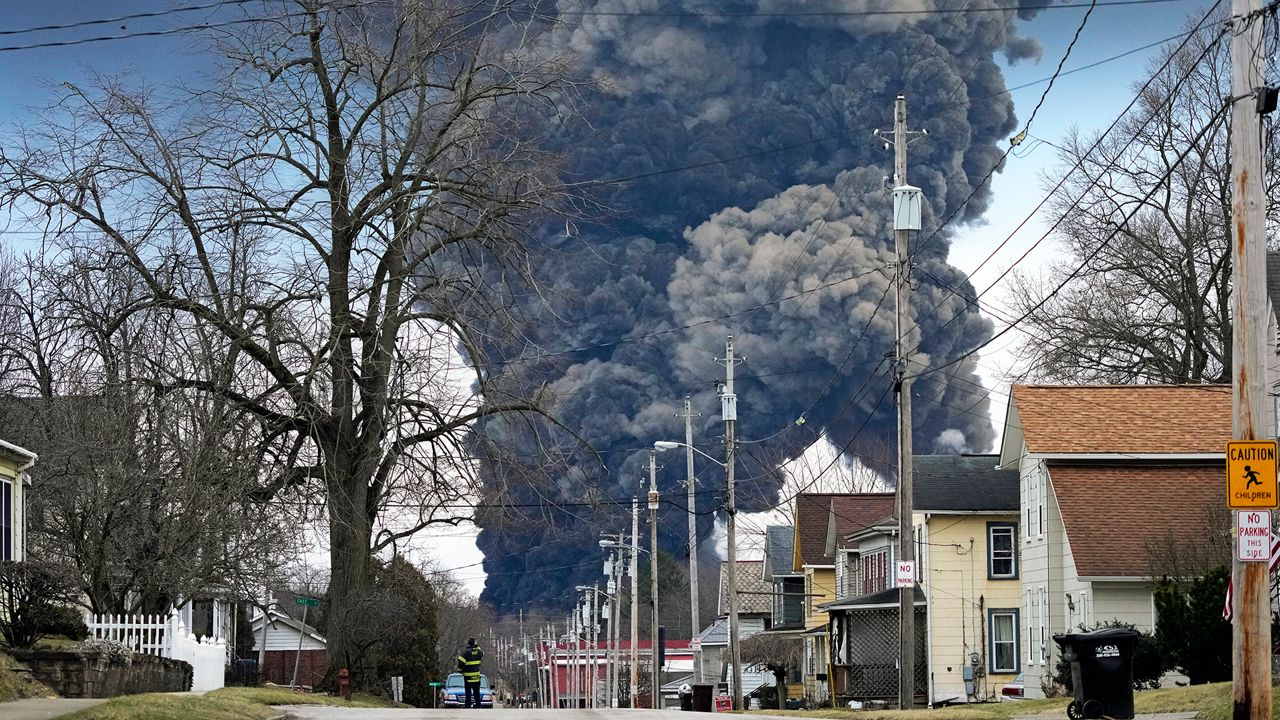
x=43 y=708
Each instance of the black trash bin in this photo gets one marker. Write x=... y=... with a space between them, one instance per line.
x=1101 y=672
x=701 y=697
x=686 y=700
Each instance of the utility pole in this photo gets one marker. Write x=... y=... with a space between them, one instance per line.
x=1251 y=630
x=729 y=411
x=655 y=696
x=694 y=622
x=635 y=600
x=906 y=218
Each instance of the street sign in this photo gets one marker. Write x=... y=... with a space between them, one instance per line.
x=906 y=573
x=309 y=602
x=696 y=644
x=1253 y=535
x=1251 y=474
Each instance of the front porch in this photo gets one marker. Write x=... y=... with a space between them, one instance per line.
x=864 y=648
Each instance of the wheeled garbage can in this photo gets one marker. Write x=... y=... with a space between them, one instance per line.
x=702 y=697
x=1101 y=672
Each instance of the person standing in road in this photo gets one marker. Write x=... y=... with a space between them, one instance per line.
x=469 y=665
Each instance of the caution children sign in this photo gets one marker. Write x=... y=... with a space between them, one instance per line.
x=1251 y=474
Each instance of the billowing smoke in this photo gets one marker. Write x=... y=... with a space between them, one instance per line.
x=787 y=245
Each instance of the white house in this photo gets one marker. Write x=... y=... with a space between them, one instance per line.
x=14 y=463
x=284 y=637
x=1109 y=478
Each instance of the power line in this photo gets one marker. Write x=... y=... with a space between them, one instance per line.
x=835 y=13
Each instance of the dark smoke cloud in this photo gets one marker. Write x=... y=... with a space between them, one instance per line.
x=685 y=247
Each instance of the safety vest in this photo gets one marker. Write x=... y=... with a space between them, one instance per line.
x=469 y=664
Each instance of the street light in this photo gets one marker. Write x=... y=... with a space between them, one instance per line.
x=735 y=655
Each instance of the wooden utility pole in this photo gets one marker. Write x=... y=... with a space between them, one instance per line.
x=656 y=683
x=729 y=411
x=906 y=218
x=635 y=600
x=1251 y=630
x=695 y=623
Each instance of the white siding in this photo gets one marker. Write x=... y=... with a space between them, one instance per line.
x=1128 y=602
x=283 y=637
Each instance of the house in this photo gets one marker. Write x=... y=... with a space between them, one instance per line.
x=14 y=464
x=864 y=620
x=755 y=603
x=968 y=511
x=786 y=585
x=284 y=635
x=820 y=519
x=1109 y=478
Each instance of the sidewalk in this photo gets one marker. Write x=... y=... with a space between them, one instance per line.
x=43 y=708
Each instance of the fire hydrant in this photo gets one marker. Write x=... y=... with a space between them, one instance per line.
x=344 y=683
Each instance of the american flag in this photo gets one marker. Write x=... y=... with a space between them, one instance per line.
x=1271 y=566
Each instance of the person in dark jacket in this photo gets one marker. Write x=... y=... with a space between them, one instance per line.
x=469 y=665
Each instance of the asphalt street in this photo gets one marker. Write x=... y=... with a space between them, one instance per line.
x=316 y=712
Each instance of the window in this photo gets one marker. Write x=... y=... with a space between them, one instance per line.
x=1003 y=654
x=875 y=572
x=1033 y=494
x=1044 y=627
x=1002 y=555
x=6 y=520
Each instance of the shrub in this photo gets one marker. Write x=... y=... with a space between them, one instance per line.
x=67 y=622
x=108 y=648
x=1190 y=628
x=31 y=599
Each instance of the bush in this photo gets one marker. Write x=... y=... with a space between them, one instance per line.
x=1190 y=628
x=1149 y=660
x=109 y=648
x=32 y=596
x=67 y=622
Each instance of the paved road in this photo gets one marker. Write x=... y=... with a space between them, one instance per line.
x=43 y=708
x=316 y=712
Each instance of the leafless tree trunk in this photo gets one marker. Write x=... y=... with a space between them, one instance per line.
x=331 y=210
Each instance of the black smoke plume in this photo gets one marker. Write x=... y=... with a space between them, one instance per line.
x=784 y=194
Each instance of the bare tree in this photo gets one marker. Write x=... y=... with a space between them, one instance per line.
x=775 y=653
x=124 y=493
x=1150 y=302
x=332 y=211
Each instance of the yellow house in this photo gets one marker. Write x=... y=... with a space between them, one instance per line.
x=14 y=463
x=821 y=519
x=967 y=530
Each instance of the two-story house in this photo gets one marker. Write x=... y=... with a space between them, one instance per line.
x=1110 y=477
x=821 y=519
x=755 y=603
x=14 y=463
x=967 y=515
x=787 y=585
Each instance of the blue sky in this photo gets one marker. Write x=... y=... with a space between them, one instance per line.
x=1089 y=99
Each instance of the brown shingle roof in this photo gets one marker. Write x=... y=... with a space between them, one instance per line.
x=858 y=512
x=813 y=512
x=1124 y=418
x=1113 y=513
x=816 y=512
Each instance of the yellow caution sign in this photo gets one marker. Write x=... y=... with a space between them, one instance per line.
x=1251 y=474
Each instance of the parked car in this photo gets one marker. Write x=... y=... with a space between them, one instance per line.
x=1012 y=690
x=455 y=692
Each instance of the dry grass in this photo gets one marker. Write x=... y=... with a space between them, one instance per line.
x=1209 y=702
x=16 y=682
x=225 y=704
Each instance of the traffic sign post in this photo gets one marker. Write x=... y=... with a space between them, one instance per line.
x=1253 y=535
x=306 y=603
x=1251 y=474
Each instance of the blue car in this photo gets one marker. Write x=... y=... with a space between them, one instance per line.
x=455 y=692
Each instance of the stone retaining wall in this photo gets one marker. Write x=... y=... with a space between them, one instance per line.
x=81 y=674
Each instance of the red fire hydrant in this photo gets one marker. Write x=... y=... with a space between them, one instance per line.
x=344 y=683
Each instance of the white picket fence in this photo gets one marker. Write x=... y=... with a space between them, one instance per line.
x=166 y=637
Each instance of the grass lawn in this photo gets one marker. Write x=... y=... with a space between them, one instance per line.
x=225 y=704
x=16 y=684
x=1211 y=702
